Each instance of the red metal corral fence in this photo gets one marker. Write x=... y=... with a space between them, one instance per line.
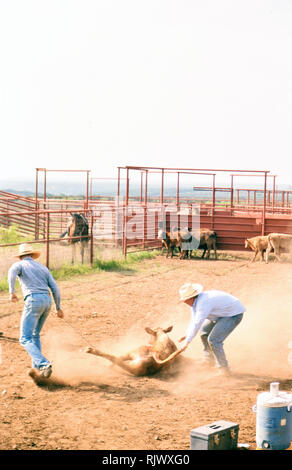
x=131 y=223
x=231 y=226
x=135 y=228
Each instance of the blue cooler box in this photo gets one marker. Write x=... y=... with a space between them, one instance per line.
x=274 y=419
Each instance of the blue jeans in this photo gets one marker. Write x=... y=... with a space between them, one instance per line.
x=213 y=333
x=36 y=310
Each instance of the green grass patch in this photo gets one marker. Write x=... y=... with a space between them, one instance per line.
x=3 y=285
x=115 y=265
x=11 y=235
x=68 y=271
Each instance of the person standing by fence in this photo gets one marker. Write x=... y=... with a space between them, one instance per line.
x=36 y=282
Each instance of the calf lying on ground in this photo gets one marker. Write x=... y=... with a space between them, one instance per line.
x=280 y=243
x=258 y=244
x=146 y=360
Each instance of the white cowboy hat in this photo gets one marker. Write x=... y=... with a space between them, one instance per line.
x=189 y=290
x=26 y=249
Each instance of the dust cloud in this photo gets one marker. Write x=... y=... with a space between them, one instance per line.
x=258 y=347
x=71 y=364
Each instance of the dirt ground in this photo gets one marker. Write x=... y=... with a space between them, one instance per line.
x=93 y=405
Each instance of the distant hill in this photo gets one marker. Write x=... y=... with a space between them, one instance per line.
x=109 y=188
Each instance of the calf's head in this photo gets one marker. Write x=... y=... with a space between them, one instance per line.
x=156 y=333
x=161 y=234
x=247 y=243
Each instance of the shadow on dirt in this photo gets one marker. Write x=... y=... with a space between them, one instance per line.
x=127 y=392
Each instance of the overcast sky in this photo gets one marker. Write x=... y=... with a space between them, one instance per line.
x=102 y=83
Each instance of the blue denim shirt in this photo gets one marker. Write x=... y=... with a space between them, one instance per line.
x=34 y=278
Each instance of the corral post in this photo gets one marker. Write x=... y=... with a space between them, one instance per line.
x=125 y=216
x=144 y=226
x=87 y=189
x=269 y=197
x=119 y=183
x=177 y=190
x=47 y=239
x=127 y=189
x=213 y=202
x=7 y=218
x=274 y=188
x=45 y=189
x=265 y=205
x=141 y=188
x=90 y=189
x=231 y=194
x=162 y=187
x=146 y=187
x=91 y=238
x=124 y=241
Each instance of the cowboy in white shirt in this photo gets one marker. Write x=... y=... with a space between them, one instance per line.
x=215 y=314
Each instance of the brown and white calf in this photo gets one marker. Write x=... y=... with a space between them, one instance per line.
x=146 y=360
x=257 y=244
x=169 y=241
x=280 y=243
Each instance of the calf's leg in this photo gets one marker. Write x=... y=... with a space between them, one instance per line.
x=134 y=369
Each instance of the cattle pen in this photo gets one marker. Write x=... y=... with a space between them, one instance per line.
x=109 y=311
x=129 y=220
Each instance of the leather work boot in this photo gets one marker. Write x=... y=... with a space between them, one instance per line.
x=46 y=371
x=223 y=372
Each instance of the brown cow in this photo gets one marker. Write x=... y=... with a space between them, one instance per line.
x=169 y=241
x=280 y=243
x=146 y=360
x=208 y=242
x=257 y=244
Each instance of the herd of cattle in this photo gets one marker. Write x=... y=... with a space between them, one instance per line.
x=185 y=242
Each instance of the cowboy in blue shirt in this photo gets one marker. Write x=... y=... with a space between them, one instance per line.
x=36 y=283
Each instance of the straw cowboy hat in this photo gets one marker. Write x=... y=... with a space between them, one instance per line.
x=26 y=249
x=189 y=290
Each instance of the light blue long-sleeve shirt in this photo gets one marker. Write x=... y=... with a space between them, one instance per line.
x=211 y=305
x=34 y=278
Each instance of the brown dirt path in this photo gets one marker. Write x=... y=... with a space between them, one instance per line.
x=102 y=407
